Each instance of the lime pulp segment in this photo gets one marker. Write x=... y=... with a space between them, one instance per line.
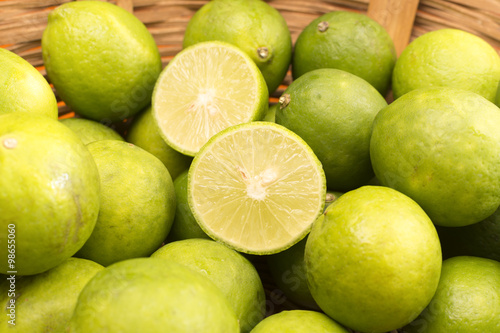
x=206 y=88
x=256 y=187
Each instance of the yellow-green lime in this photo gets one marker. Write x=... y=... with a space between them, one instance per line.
x=144 y=133
x=49 y=193
x=373 y=260
x=152 y=295
x=348 y=41
x=450 y=58
x=440 y=146
x=185 y=225
x=333 y=111
x=256 y=187
x=89 y=130
x=253 y=26
x=466 y=300
x=192 y=100
x=480 y=239
x=45 y=302
x=235 y=276
x=23 y=88
x=101 y=59
x=137 y=203
x=299 y=321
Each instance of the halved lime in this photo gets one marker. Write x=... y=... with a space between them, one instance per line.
x=256 y=187
x=205 y=89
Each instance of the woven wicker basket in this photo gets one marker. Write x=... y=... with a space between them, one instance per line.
x=22 y=23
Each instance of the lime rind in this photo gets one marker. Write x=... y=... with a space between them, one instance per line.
x=253 y=199
x=205 y=89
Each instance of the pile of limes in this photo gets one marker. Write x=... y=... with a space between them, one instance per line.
x=373 y=212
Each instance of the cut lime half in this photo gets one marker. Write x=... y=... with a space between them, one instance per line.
x=205 y=89
x=256 y=187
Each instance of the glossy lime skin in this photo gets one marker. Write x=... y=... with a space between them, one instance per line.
x=49 y=191
x=89 y=130
x=296 y=321
x=440 y=146
x=152 y=295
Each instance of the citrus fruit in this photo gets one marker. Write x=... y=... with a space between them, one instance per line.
x=193 y=101
x=288 y=270
x=297 y=321
x=466 y=300
x=89 y=130
x=480 y=239
x=23 y=88
x=451 y=58
x=184 y=225
x=152 y=295
x=101 y=59
x=333 y=112
x=144 y=133
x=330 y=198
x=235 y=276
x=253 y=26
x=49 y=192
x=271 y=113
x=137 y=203
x=256 y=187
x=373 y=260
x=348 y=41
x=440 y=146
x=45 y=302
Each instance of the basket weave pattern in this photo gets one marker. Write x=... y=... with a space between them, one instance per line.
x=22 y=22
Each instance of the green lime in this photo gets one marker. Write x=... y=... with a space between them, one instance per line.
x=256 y=187
x=193 y=101
x=184 y=225
x=288 y=270
x=101 y=59
x=480 y=239
x=235 y=276
x=23 y=88
x=333 y=112
x=49 y=193
x=299 y=321
x=331 y=196
x=152 y=295
x=137 y=203
x=89 y=130
x=348 y=41
x=45 y=302
x=271 y=113
x=253 y=26
x=373 y=260
x=466 y=300
x=451 y=58
x=144 y=133
x=440 y=146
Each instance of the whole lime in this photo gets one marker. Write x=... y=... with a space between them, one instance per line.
x=152 y=295
x=299 y=321
x=252 y=25
x=23 y=88
x=101 y=59
x=45 y=302
x=440 y=146
x=373 y=261
x=348 y=41
x=333 y=112
x=235 y=276
x=288 y=270
x=184 y=225
x=466 y=300
x=144 y=133
x=137 y=203
x=49 y=193
x=480 y=239
x=451 y=58
x=89 y=130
